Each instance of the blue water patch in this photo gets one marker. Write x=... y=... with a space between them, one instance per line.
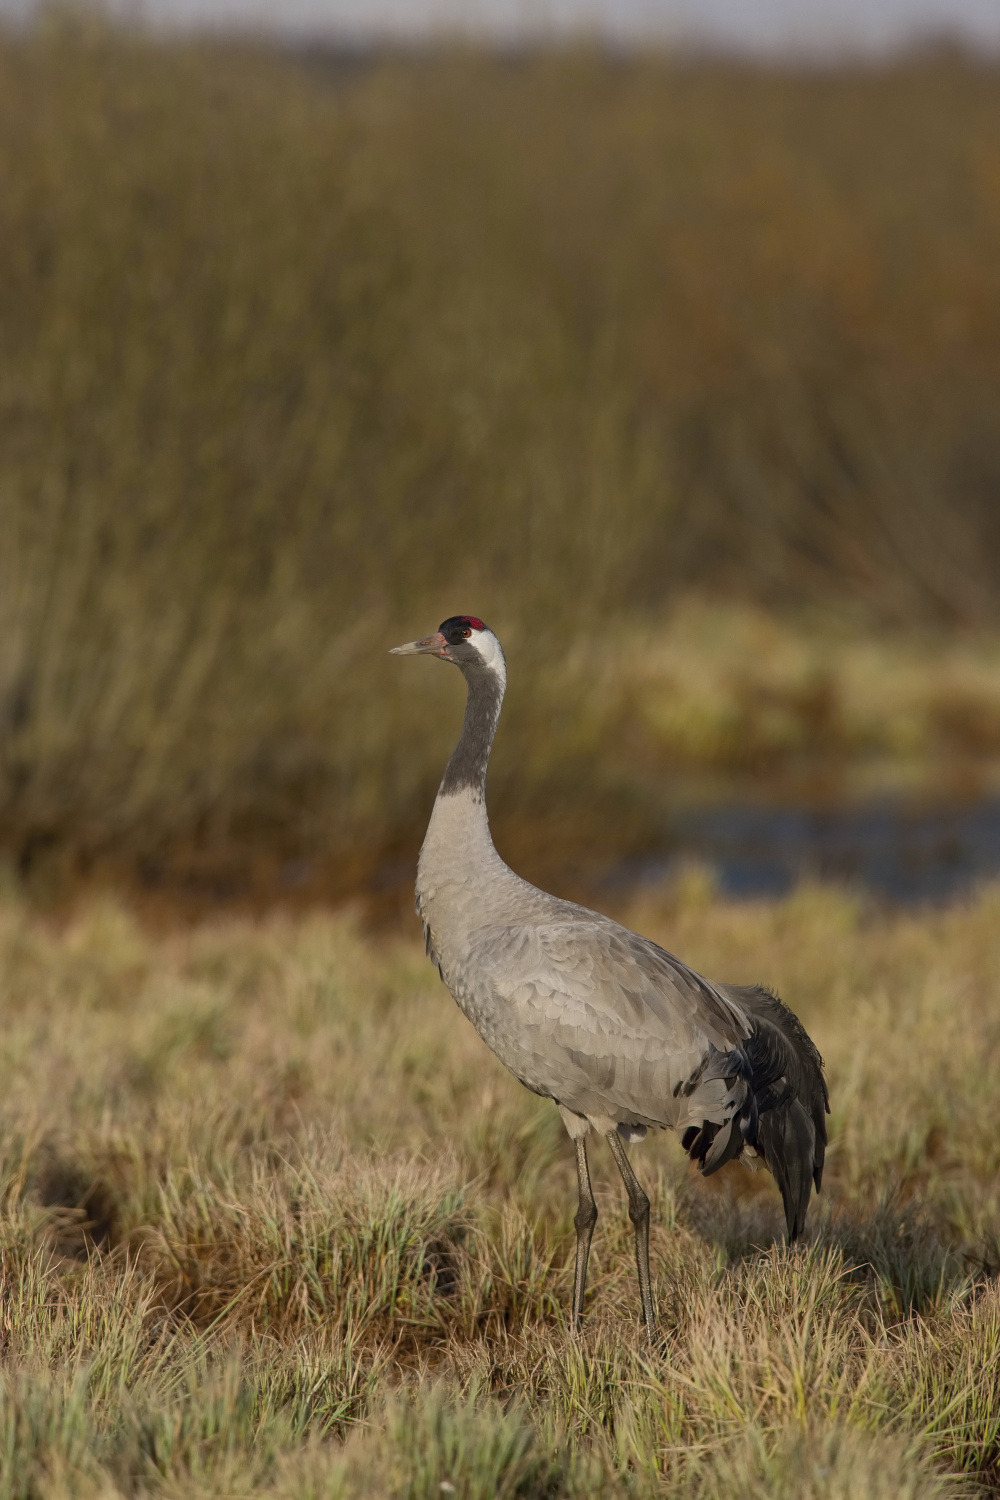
x=903 y=852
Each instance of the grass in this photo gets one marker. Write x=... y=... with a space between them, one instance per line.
x=684 y=375
x=297 y=358
x=275 y=1223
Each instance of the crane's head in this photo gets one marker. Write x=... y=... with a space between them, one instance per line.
x=464 y=640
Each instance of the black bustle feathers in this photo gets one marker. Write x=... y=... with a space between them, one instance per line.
x=784 y=1113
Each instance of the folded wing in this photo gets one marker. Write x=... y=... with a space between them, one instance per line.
x=615 y=1027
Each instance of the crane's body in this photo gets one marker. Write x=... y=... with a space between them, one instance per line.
x=618 y=1032
x=577 y=1007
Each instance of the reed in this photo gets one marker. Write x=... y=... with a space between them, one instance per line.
x=297 y=358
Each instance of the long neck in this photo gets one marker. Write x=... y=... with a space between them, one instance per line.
x=466 y=770
x=459 y=869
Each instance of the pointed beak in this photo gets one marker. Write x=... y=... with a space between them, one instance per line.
x=431 y=645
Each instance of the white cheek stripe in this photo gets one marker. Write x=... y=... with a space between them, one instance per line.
x=491 y=651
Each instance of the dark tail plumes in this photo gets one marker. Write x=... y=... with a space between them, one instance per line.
x=784 y=1117
x=792 y=1101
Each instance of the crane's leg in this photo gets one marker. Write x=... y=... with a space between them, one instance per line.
x=638 y=1212
x=586 y=1218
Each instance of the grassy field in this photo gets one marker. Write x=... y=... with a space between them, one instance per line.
x=685 y=377
x=299 y=355
x=275 y=1223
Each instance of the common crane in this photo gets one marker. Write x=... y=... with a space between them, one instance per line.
x=618 y=1032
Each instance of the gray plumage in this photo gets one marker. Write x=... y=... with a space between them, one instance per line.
x=620 y=1033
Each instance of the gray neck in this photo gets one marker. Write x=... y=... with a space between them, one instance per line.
x=461 y=878
x=466 y=770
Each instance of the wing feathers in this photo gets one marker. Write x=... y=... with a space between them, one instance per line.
x=615 y=1027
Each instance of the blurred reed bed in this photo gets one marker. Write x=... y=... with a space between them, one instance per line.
x=299 y=354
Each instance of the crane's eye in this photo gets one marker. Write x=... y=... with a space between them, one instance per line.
x=466 y=632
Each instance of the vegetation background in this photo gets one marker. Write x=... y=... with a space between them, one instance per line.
x=684 y=374
x=299 y=355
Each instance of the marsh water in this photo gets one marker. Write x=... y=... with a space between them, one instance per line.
x=903 y=852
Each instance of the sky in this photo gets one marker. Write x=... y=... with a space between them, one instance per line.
x=767 y=26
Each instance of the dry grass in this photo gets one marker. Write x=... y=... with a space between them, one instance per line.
x=276 y=1223
x=295 y=360
x=292 y=364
